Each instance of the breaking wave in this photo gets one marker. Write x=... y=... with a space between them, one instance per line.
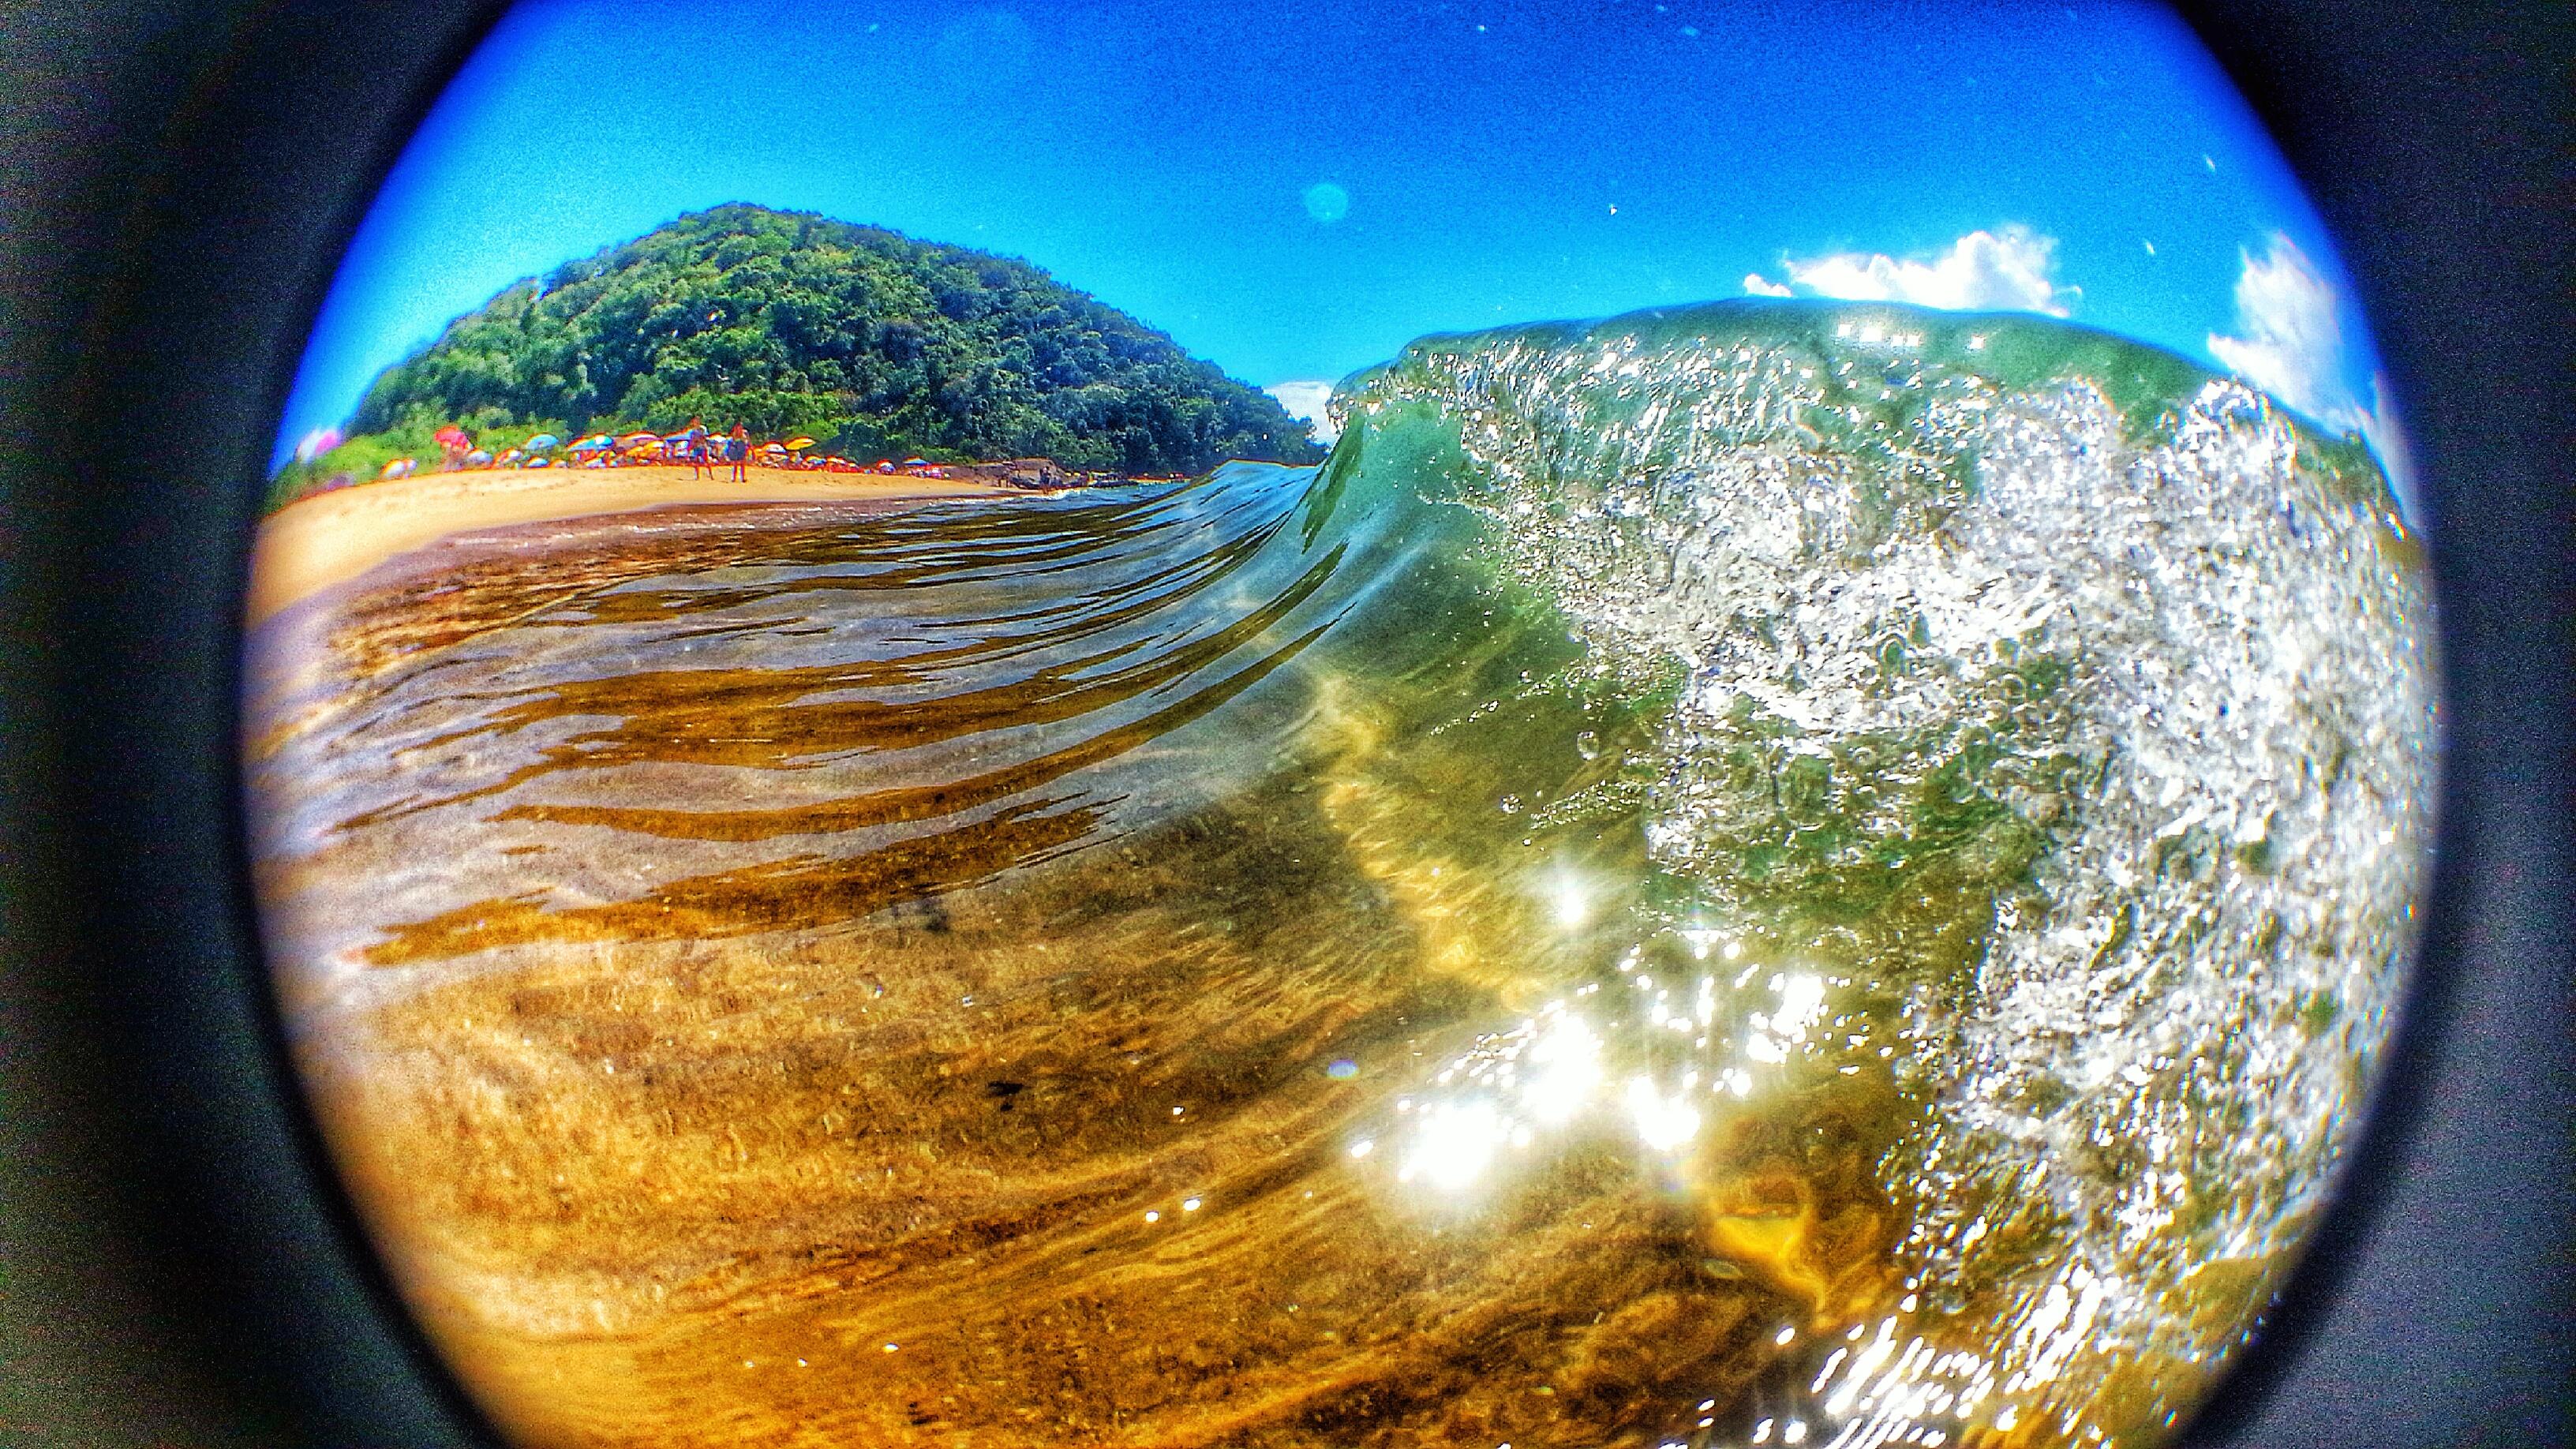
x=1919 y=816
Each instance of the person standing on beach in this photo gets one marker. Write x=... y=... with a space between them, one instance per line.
x=694 y=443
x=738 y=453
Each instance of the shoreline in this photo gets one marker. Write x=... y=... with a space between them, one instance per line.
x=331 y=538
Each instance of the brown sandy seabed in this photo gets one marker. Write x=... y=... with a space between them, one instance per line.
x=865 y=1156
x=328 y=539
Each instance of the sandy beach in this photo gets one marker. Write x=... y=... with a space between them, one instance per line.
x=334 y=537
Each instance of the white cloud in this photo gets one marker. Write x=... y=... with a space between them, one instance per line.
x=2293 y=343
x=1984 y=271
x=1304 y=398
x=2291 y=346
x=2387 y=439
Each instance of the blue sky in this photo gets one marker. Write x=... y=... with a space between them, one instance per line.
x=1297 y=188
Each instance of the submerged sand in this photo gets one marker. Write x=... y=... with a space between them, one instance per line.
x=333 y=537
x=805 y=984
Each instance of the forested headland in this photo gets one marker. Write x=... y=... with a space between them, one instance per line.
x=871 y=343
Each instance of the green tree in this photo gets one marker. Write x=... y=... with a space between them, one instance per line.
x=862 y=338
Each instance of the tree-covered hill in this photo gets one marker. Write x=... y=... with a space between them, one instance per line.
x=871 y=342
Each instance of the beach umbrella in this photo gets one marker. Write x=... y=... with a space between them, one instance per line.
x=541 y=442
x=773 y=447
x=637 y=440
x=591 y=444
x=796 y=444
x=451 y=435
x=478 y=457
x=916 y=462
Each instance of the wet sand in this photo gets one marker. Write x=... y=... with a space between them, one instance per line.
x=918 y=977
x=333 y=537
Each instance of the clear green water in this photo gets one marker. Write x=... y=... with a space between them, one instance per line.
x=1886 y=841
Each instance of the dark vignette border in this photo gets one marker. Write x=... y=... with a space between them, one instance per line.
x=184 y=1269
x=178 y=182
x=2437 y=1305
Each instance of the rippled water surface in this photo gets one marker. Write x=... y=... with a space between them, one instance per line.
x=1768 y=874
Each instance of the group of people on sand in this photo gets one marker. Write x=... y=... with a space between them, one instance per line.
x=704 y=450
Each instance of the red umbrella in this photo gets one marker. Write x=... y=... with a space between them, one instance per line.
x=453 y=436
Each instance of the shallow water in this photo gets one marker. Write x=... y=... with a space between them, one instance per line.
x=1754 y=875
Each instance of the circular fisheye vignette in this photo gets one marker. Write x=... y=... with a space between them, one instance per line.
x=916 y=774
